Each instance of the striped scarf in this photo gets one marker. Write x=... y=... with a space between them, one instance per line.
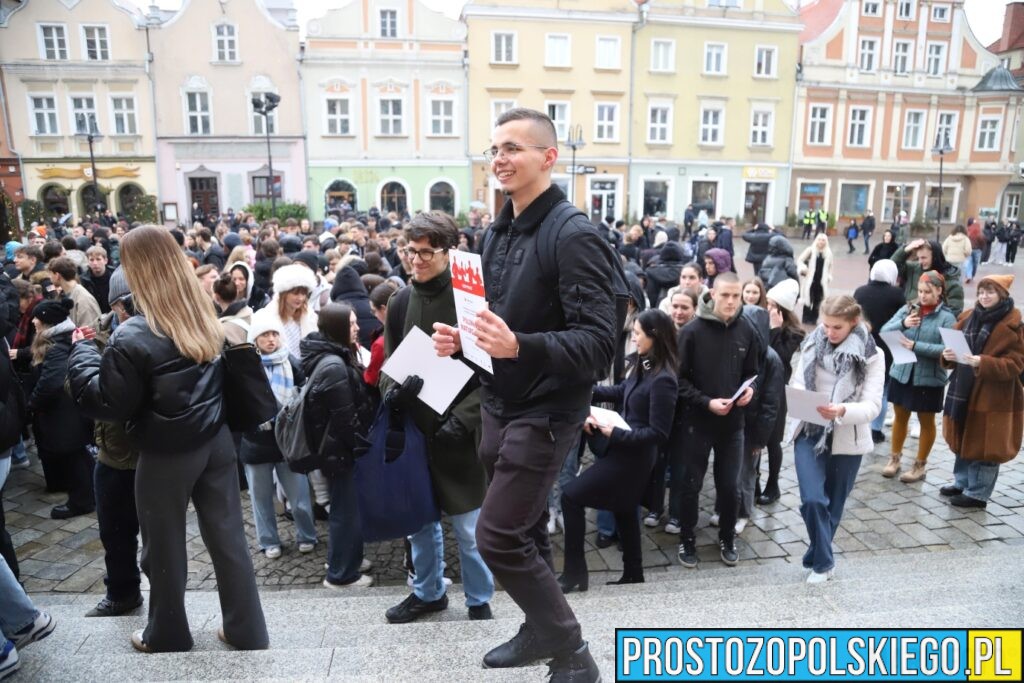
x=279 y=373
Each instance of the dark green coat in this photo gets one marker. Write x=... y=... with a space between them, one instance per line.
x=458 y=477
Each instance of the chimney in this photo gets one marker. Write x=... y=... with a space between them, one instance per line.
x=1013 y=28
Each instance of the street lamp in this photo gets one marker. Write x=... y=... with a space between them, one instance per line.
x=92 y=136
x=574 y=141
x=940 y=148
x=263 y=106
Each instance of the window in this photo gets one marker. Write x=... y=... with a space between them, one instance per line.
x=940 y=13
x=765 y=62
x=558 y=112
x=871 y=8
x=442 y=117
x=607 y=129
x=338 y=118
x=820 y=130
x=905 y=10
x=606 y=55
x=945 y=129
x=659 y=122
x=714 y=58
x=1012 y=211
x=704 y=194
x=83 y=113
x=988 y=134
x=261 y=188
x=225 y=43
x=388 y=23
x=860 y=135
x=499 y=107
x=853 y=199
x=44 y=114
x=939 y=203
x=913 y=130
x=257 y=119
x=936 y=64
x=95 y=43
x=54 y=41
x=442 y=198
x=868 y=54
x=391 y=116
x=760 y=128
x=1005 y=62
x=557 y=50
x=898 y=198
x=197 y=106
x=123 y=109
x=663 y=55
x=901 y=50
x=504 y=48
x=711 y=126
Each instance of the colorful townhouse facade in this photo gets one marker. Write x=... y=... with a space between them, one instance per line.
x=1010 y=50
x=11 y=193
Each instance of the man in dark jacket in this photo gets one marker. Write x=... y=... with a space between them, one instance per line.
x=718 y=351
x=211 y=252
x=550 y=335
x=867 y=229
x=779 y=265
x=96 y=279
x=456 y=473
x=758 y=250
x=664 y=273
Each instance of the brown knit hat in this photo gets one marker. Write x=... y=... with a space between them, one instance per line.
x=1003 y=282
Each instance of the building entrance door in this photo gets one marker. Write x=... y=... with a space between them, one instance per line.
x=204 y=193
x=602 y=199
x=755 y=198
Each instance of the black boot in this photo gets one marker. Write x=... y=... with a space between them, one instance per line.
x=574 y=667
x=629 y=575
x=524 y=648
x=574 y=581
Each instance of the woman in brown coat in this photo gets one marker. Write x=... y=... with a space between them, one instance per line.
x=984 y=411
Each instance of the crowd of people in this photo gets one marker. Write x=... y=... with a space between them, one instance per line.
x=117 y=336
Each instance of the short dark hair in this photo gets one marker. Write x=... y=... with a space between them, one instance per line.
x=51 y=250
x=30 y=250
x=68 y=242
x=436 y=227
x=538 y=117
x=380 y=294
x=64 y=267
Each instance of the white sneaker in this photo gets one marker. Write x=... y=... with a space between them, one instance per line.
x=305 y=547
x=672 y=527
x=714 y=519
x=816 y=578
x=364 y=581
x=365 y=566
x=915 y=431
x=652 y=519
x=552 y=521
x=273 y=552
x=741 y=524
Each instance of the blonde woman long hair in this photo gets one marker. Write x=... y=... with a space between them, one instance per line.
x=167 y=293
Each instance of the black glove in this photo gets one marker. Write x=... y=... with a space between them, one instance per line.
x=401 y=397
x=451 y=432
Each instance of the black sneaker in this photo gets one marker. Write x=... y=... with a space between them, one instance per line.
x=522 y=649
x=115 y=608
x=962 y=501
x=574 y=667
x=320 y=512
x=688 y=553
x=604 y=541
x=412 y=608
x=950 y=490
x=877 y=436
x=480 y=612
x=728 y=553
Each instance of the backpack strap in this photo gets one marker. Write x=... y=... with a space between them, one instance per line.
x=398 y=308
x=548 y=234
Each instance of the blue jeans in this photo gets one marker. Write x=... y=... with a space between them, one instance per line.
x=428 y=560
x=345 y=540
x=825 y=483
x=18 y=453
x=18 y=612
x=878 y=424
x=976 y=478
x=261 y=493
x=972 y=264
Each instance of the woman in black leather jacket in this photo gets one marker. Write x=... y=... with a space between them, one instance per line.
x=162 y=376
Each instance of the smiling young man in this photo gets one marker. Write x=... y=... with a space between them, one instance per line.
x=550 y=335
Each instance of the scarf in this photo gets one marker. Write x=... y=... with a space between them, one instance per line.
x=976 y=330
x=64 y=326
x=23 y=337
x=279 y=372
x=847 y=361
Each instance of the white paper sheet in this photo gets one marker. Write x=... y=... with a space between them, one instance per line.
x=803 y=405
x=468 y=287
x=900 y=354
x=443 y=378
x=609 y=417
x=743 y=387
x=957 y=342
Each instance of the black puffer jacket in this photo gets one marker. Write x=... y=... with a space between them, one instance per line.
x=259 y=447
x=57 y=423
x=349 y=289
x=759 y=239
x=779 y=265
x=768 y=405
x=168 y=402
x=664 y=274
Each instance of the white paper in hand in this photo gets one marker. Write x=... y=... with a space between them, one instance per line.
x=956 y=342
x=468 y=288
x=611 y=418
x=443 y=378
x=900 y=354
x=803 y=405
x=743 y=387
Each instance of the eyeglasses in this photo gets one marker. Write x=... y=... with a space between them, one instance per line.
x=508 y=150
x=426 y=255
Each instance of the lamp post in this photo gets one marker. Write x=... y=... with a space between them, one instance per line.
x=941 y=147
x=574 y=141
x=263 y=105
x=91 y=137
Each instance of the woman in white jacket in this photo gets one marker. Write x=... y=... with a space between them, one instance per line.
x=815 y=268
x=840 y=359
x=293 y=286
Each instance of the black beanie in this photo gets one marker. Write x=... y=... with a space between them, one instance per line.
x=53 y=312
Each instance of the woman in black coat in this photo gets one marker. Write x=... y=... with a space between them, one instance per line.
x=349 y=289
x=617 y=481
x=884 y=249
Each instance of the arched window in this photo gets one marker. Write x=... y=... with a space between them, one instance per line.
x=54 y=199
x=393 y=198
x=338 y=193
x=127 y=195
x=442 y=198
x=94 y=199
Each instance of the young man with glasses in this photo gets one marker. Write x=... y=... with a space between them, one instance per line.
x=549 y=335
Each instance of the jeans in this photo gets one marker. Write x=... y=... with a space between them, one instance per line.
x=428 y=560
x=696 y=452
x=18 y=612
x=6 y=546
x=976 y=478
x=261 y=493
x=747 y=479
x=345 y=540
x=867 y=243
x=972 y=264
x=825 y=483
x=878 y=424
x=18 y=453
x=119 y=529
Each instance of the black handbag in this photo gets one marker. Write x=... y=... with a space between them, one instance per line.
x=248 y=399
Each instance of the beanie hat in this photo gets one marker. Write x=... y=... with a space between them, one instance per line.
x=308 y=258
x=660 y=239
x=785 y=294
x=1003 y=282
x=118 y=286
x=885 y=271
x=53 y=312
x=265 y=320
x=231 y=240
x=934 y=278
x=292 y=277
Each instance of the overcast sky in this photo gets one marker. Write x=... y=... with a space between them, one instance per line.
x=984 y=16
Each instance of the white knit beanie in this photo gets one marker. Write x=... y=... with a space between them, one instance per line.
x=886 y=271
x=265 y=320
x=785 y=294
x=292 y=277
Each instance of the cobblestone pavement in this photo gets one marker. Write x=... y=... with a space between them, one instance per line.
x=883 y=516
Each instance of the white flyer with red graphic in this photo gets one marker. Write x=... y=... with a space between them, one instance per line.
x=468 y=286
